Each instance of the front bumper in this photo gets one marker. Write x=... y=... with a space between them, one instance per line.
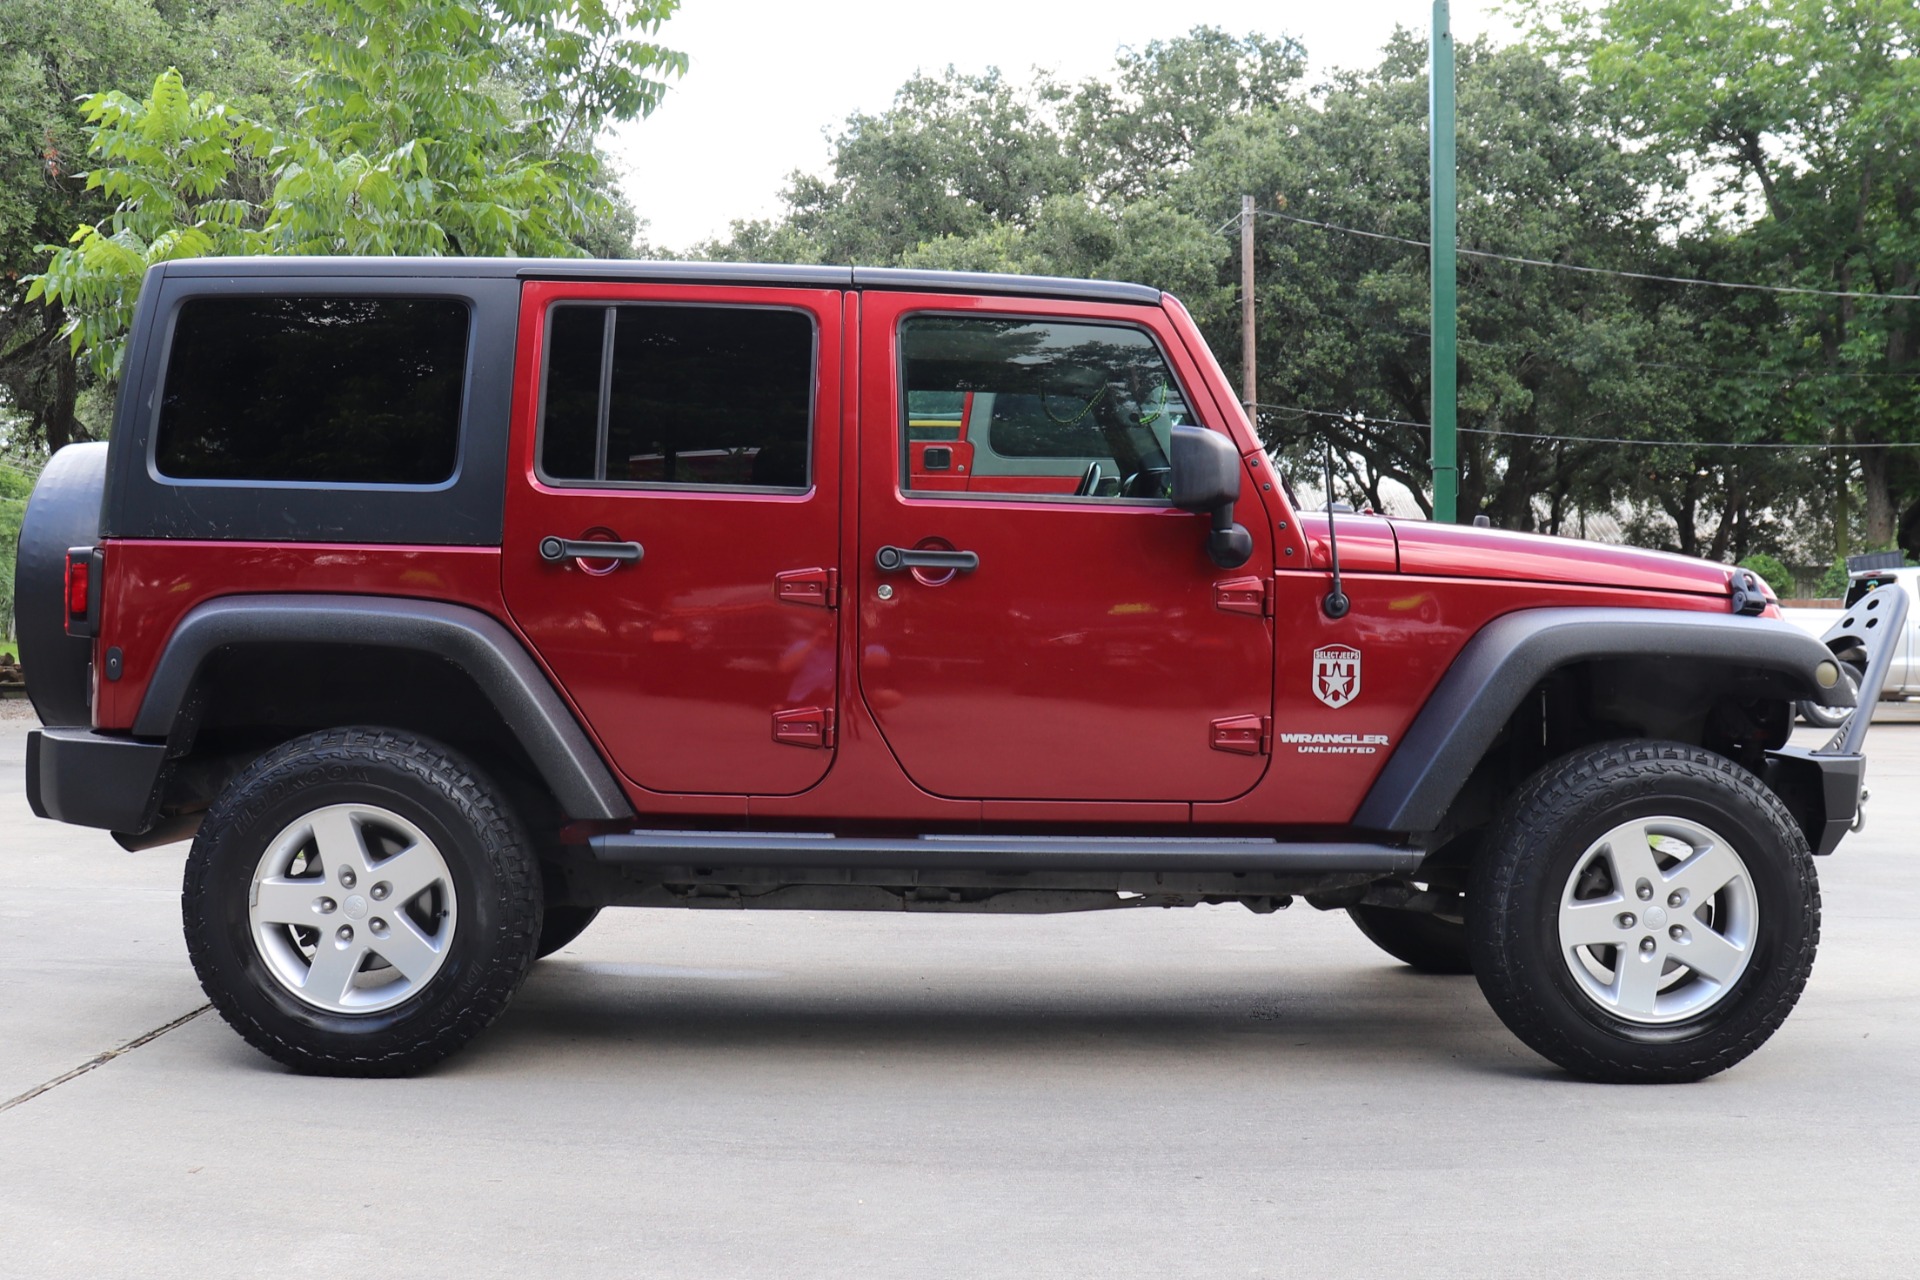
x=1822 y=790
x=1824 y=784
x=93 y=779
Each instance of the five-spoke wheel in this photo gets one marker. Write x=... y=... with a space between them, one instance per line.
x=352 y=908
x=1644 y=911
x=1658 y=920
x=358 y=902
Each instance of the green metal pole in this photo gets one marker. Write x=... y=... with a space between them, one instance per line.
x=1440 y=128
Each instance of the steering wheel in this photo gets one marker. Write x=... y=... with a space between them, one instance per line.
x=1148 y=482
x=1090 y=482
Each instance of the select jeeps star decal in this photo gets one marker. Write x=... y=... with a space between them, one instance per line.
x=1336 y=674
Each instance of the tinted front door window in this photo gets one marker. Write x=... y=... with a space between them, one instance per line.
x=1039 y=406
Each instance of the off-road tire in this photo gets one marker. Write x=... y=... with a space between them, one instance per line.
x=1514 y=902
x=1416 y=938
x=561 y=925
x=495 y=880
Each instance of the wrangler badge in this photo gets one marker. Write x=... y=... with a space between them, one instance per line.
x=1336 y=674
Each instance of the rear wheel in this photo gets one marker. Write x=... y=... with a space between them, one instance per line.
x=1420 y=939
x=561 y=925
x=358 y=903
x=1644 y=911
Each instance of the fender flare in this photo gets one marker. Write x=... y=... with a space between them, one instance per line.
x=1513 y=653
x=475 y=644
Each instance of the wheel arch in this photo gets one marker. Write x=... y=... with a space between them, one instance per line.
x=1617 y=672
x=243 y=673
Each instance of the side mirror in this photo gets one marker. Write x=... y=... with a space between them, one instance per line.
x=1206 y=478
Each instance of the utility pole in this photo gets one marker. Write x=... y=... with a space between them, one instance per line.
x=1248 y=396
x=1445 y=321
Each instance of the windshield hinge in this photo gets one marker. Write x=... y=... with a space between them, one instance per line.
x=1250 y=595
x=817 y=587
x=1244 y=735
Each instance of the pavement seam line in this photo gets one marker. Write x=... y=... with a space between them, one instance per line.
x=103 y=1059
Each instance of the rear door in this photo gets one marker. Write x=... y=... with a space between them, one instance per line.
x=1081 y=646
x=694 y=431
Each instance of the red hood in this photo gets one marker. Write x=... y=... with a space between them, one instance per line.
x=1457 y=551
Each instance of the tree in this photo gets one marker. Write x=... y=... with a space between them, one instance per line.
x=1137 y=176
x=51 y=51
x=1801 y=112
x=418 y=126
x=165 y=162
x=1544 y=353
x=1139 y=131
x=975 y=170
x=408 y=141
x=954 y=156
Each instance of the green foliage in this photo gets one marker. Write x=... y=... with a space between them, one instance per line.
x=1139 y=176
x=955 y=156
x=1833 y=583
x=423 y=127
x=11 y=512
x=1140 y=130
x=1801 y=114
x=15 y=484
x=1775 y=574
x=50 y=52
x=455 y=126
x=166 y=161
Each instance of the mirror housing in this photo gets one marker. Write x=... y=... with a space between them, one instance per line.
x=1206 y=478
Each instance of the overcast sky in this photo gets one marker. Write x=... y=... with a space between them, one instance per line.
x=769 y=77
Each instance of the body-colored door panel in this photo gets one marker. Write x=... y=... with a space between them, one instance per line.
x=1086 y=657
x=710 y=664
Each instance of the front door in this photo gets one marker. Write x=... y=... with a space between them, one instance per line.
x=1069 y=639
x=693 y=431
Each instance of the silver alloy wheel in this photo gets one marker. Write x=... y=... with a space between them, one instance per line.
x=1658 y=920
x=352 y=908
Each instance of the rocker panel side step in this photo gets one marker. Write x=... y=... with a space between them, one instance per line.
x=1000 y=853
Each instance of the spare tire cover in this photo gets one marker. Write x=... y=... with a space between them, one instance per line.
x=63 y=512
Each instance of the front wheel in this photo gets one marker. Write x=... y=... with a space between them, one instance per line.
x=1644 y=911
x=358 y=903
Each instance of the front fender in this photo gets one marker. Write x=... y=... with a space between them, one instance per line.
x=1512 y=654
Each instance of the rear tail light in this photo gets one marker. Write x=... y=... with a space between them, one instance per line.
x=78 y=573
x=85 y=566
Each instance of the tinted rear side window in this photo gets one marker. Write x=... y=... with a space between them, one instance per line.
x=694 y=395
x=333 y=390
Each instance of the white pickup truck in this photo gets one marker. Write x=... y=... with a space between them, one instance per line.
x=1903 y=675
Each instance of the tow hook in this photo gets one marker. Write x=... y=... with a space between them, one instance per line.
x=1860 y=811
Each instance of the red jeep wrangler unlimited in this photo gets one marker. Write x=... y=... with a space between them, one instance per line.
x=443 y=603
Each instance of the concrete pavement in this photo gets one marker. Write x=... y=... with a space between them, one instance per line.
x=1125 y=1094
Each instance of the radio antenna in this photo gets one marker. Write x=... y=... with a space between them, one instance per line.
x=1336 y=604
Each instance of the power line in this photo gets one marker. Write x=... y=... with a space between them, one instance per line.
x=1368 y=420
x=1595 y=271
x=1356 y=419
x=1517 y=348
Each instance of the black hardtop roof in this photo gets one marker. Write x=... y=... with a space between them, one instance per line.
x=744 y=273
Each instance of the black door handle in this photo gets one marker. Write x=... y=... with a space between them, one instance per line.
x=553 y=550
x=894 y=559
